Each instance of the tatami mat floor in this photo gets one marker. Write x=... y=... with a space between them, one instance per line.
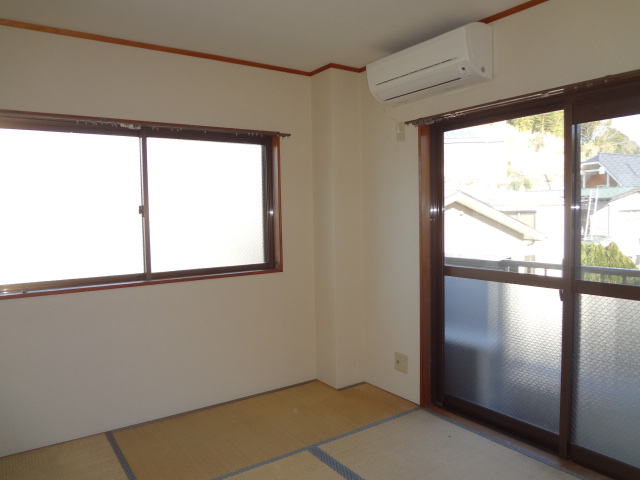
x=308 y=432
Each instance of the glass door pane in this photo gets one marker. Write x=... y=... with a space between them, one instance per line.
x=610 y=200
x=504 y=215
x=606 y=398
x=606 y=374
x=502 y=348
x=504 y=195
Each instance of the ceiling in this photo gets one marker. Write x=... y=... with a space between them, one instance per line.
x=297 y=34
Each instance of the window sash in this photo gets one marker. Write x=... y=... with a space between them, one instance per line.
x=269 y=143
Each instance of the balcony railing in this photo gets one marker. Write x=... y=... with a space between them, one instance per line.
x=621 y=276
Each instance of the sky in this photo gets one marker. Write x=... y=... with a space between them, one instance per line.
x=630 y=126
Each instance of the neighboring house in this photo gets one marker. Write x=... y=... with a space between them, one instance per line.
x=611 y=201
x=612 y=214
x=611 y=170
x=475 y=229
x=542 y=210
x=505 y=224
x=529 y=225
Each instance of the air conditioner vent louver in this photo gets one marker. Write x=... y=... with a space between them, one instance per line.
x=461 y=57
x=422 y=89
x=416 y=71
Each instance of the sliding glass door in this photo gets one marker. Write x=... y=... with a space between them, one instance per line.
x=606 y=364
x=534 y=248
x=503 y=250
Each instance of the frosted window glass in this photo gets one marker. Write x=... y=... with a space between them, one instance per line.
x=69 y=206
x=206 y=204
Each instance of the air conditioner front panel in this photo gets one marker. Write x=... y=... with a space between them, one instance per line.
x=460 y=57
x=422 y=57
x=445 y=78
x=417 y=70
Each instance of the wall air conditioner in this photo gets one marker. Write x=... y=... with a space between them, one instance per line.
x=461 y=57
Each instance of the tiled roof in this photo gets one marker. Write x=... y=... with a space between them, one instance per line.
x=623 y=167
x=606 y=193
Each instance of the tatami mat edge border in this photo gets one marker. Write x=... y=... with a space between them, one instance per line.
x=330 y=461
x=334 y=464
x=120 y=456
x=308 y=448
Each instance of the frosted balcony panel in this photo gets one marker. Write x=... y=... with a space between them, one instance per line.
x=502 y=348
x=606 y=399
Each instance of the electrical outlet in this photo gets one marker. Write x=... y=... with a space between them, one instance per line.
x=402 y=363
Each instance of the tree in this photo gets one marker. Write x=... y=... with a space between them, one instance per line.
x=600 y=136
x=595 y=137
x=543 y=133
x=551 y=123
x=608 y=257
x=541 y=125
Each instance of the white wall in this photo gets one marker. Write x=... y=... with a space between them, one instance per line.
x=553 y=44
x=82 y=363
x=390 y=186
x=324 y=227
x=337 y=181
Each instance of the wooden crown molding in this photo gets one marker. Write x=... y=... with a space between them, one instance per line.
x=219 y=58
x=337 y=66
x=147 y=46
x=512 y=11
x=178 y=51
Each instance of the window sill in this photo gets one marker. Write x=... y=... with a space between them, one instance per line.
x=140 y=283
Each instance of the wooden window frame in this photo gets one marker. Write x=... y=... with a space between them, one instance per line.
x=270 y=143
